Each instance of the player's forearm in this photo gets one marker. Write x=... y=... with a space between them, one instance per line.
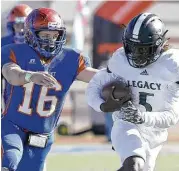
x=93 y=96
x=87 y=74
x=14 y=74
x=161 y=119
x=168 y=117
x=95 y=86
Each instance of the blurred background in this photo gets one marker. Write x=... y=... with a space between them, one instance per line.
x=95 y=27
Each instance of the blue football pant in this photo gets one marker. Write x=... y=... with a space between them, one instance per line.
x=18 y=155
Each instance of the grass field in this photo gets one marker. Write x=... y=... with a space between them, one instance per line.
x=102 y=162
x=92 y=153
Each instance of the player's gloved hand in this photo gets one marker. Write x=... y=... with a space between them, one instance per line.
x=111 y=104
x=131 y=114
x=44 y=79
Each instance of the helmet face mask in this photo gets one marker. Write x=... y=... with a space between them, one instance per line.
x=49 y=46
x=46 y=37
x=146 y=46
x=19 y=32
x=141 y=55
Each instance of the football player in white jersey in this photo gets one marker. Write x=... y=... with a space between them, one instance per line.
x=151 y=70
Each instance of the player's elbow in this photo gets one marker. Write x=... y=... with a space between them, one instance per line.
x=170 y=123
x=15 y=79
x=173 y=119
x=93 y=99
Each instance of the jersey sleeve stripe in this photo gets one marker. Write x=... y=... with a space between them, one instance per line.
x=13 y=56
x=81 y=64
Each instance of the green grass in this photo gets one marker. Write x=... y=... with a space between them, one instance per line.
x=102 y=162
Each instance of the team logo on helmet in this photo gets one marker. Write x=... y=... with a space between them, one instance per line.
x=54 y=25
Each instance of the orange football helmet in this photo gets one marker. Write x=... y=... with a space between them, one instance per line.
x=45 y=19
x=16 y=19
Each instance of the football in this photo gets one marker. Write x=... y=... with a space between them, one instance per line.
x=117 y=89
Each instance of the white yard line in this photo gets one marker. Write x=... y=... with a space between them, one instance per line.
x=101 y=148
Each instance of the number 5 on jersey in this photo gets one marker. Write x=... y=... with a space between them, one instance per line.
x=43 y=98
x=143 y=100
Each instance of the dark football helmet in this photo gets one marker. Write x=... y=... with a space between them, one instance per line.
x=45 y=19
x=143 y=39
x=15 y=21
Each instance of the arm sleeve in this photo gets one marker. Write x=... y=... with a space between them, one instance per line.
x=93 y=91
x=83 y=62
x=167 y=118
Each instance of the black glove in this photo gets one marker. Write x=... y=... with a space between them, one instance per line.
x=112 y=104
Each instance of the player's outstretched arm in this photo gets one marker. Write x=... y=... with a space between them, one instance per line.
x=87 y=74
x=164 y=119
x=16 y=76
x=95 y=87
x=13 y=74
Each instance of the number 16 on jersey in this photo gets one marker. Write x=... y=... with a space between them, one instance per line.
x=42 y=99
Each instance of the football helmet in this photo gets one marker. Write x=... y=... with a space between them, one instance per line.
x=15 y=21
x=143 y=39
x=45 y=19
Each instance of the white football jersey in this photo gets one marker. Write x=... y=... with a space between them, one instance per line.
x=155 y=91
x=151 y=86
